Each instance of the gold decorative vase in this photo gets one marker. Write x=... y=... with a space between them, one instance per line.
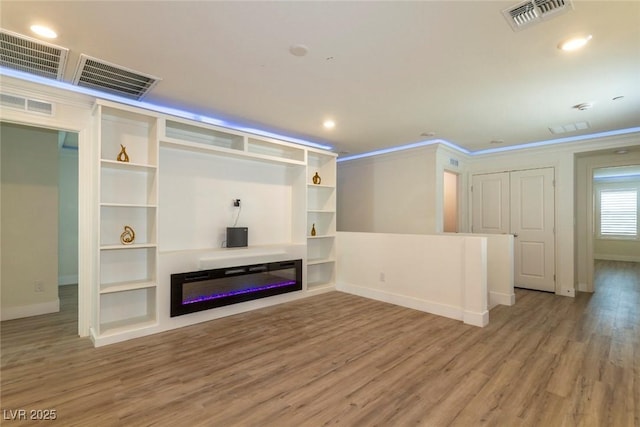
x=316 y=179
x=123 y=156
x=128 y=236
x=313 y=230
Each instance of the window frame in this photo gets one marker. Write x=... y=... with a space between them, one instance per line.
x=610 y=187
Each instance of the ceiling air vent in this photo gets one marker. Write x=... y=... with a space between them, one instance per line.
x=530 y=12
x=101 y=75
x=33 y=56
x=25 y=104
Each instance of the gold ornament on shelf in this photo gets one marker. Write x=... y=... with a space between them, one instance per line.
x=128 y=236
x=123 y=156
x=313 y=230
x=316 y=179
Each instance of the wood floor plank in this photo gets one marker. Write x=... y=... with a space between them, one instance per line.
x=339 y=359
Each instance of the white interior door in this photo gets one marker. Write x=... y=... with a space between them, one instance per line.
x=533 y=225
x=520 y=203
x=490 y=202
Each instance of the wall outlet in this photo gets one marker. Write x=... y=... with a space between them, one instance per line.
x=38 y=286
x=236 y=203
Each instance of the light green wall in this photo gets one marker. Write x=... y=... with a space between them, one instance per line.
x=29 y=220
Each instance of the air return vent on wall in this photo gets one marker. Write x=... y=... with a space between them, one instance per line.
x=32 y=56
x=101 y=75
x=530 y=12
x=24 y=104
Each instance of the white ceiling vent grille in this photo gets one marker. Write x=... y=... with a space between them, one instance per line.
x=26 y=104
x=530 y=12
x=101 y=75
x=32 y=56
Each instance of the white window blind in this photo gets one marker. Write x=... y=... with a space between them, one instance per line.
x=619 y=213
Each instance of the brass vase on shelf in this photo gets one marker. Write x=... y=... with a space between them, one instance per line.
x=316 y=179
x=128 y=236
x=313 y=230
x=123 y=156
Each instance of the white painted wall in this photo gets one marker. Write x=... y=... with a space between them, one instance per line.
x=500 y=264
x=68 y=217
x=399 y=192
x=29 y=221
x=440 y=274
x=195 y=200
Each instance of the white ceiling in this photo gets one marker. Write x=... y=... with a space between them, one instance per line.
x=386 y=72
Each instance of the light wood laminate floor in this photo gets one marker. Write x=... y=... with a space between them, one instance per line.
x=338 y=359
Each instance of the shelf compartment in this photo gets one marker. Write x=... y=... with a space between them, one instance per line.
x=325 y=222
x=321 y=198
x=135 y=264
x=275 y=150
x=137 y=132
x=320 y=275
x=203 y=135
x=128 y=186
x=320 y=249
x=123 y=311
x=113 y=218
x=325 y=165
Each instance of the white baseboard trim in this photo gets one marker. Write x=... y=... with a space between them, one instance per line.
x=499 y=298
x=623 y=258
x=9 y=313
x=476 y=319
x=456 y=313
x=68 y=280
x=582 y=287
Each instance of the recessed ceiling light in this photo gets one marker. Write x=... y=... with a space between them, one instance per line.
x=496 y=141
x=43 y=31
x=574 y=43
x=621 y=151
x=329 y=124
x=298 y=50
x=617 y=98
x=428 y=134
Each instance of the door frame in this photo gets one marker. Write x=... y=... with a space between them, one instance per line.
x=590 y=190
x=72 y=113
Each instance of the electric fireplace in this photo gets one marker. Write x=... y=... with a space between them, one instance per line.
x=206 y=289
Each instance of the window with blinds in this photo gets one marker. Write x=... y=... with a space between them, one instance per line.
x=619 y=213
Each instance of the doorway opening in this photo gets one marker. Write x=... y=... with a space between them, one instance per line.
x=39 y=221
x=451 y=205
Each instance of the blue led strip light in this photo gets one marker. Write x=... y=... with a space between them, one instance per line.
x=157 y=108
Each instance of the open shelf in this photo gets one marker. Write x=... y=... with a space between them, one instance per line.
x=107 y=288
x=202 y=135
x=135 y=131
x=113 y=219
x=114 y=164
x=127 y=309
x=275 y=150
x=128 y=186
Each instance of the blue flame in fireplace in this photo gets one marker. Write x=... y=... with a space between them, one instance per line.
x=201 y=298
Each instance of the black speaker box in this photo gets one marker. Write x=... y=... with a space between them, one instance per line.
x=237 y=237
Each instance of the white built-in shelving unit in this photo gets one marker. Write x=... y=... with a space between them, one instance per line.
x=127 y=274
x=136 y=193
x=321 y=215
